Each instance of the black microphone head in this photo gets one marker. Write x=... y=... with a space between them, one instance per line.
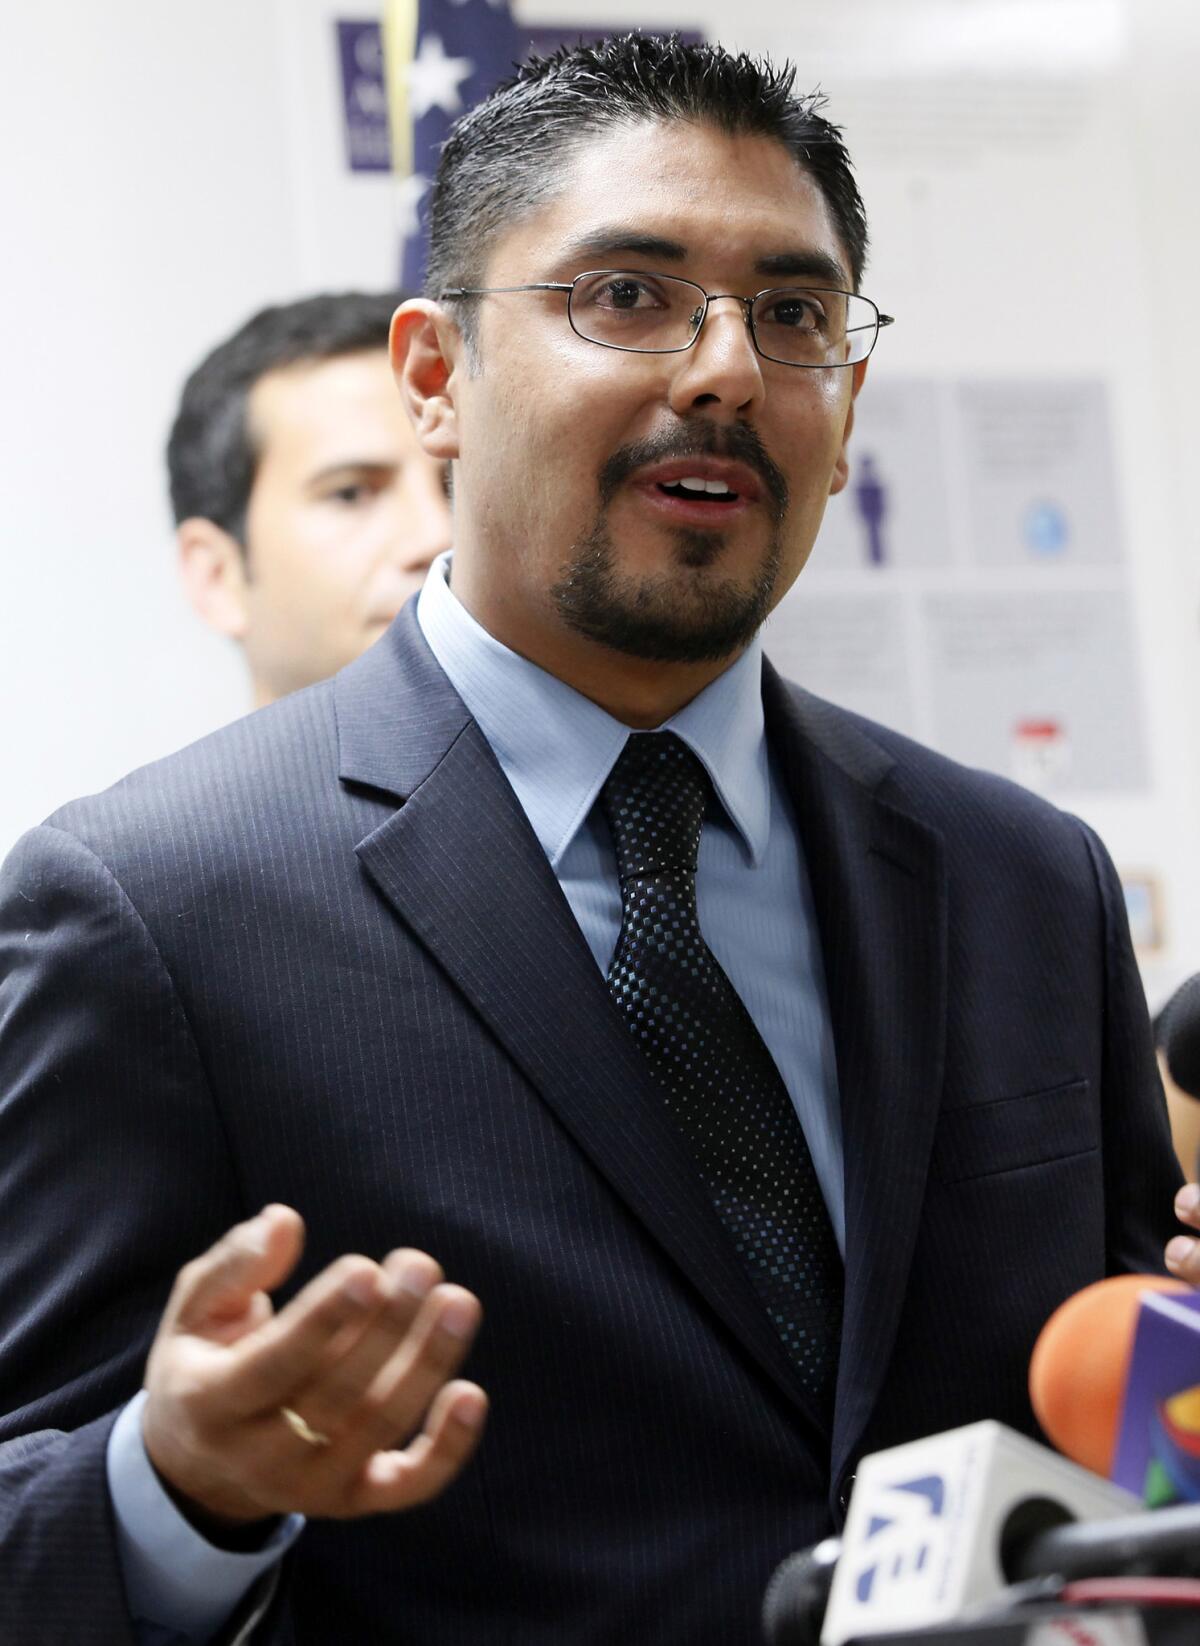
x=797 y=1595
x=1178 y=1035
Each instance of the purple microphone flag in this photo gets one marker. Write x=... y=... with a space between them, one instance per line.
x=1158 y=1444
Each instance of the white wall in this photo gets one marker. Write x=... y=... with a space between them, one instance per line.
x=1164 y=140
x=168 y=168
x=143 y=152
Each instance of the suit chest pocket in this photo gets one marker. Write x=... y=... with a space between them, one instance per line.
x=1034 y=1129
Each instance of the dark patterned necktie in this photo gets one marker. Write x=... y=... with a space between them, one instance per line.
x=720 y=1082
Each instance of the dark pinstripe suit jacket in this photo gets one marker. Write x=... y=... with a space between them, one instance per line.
x=320 y=958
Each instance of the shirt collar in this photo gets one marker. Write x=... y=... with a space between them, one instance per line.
x=557 y=747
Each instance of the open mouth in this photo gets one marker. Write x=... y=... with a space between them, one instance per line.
x=696 y=490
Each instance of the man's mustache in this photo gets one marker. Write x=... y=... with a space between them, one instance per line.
x=697 y=439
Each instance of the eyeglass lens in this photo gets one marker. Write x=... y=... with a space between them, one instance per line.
x=657 y=313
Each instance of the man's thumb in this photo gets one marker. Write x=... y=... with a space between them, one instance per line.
x=252 y=1257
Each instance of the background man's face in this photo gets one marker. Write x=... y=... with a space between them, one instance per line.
x=345 y=515
x=550 y=419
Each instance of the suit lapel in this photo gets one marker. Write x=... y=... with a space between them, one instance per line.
x=459 y=862
x=878 y=886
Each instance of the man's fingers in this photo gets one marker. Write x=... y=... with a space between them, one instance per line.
x=1183 y=1253
x=288 y=1351
x=407 y=1386
x=218 y=1287
x=355 y=1357
x=350 y=1408
x=410 y=1383
x=1187 y=1204
x=393 y=1480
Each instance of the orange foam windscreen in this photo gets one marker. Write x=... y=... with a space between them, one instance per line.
x=1080 y=1363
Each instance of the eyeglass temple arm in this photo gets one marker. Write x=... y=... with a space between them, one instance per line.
x=488 y=291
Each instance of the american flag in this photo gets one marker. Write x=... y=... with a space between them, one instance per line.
x=441 y=57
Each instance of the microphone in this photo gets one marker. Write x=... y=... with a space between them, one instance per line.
x=1080 y=1366
x=1115 y=1383
x=936 y=1529
x=1160 y=1543
x=993 y=1534
x=797 y=1595
x=939 y=1530
x=1177 y=1031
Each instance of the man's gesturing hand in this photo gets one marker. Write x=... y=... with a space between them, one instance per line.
x=364 y=1354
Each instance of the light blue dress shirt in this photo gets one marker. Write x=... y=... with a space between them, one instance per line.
x=756 y=912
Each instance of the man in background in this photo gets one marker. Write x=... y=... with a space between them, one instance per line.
x=305 y=511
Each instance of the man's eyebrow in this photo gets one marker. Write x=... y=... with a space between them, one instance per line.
x=607 y=243
x=373 y=466
x=805 y=265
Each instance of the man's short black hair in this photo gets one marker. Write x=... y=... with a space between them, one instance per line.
x=211 y=455
x=507 y=156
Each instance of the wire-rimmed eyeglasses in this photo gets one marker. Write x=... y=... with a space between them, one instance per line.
x=662 y=314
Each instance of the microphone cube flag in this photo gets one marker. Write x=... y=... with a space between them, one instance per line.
x=929 y=1520
x=1158 y=1442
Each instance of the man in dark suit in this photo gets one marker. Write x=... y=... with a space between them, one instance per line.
x=769 y=1078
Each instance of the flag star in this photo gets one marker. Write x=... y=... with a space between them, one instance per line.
x=434 y=78
x=409 y=193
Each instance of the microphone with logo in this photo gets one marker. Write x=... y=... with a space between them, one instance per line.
x=981 y=1535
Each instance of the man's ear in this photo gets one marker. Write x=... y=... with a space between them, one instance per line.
x=841 y=469
x=212 y=564
x=426 y=347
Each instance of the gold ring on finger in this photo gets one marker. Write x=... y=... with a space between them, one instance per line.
x=301 y=1429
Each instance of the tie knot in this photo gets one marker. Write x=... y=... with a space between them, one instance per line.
x=654 y=801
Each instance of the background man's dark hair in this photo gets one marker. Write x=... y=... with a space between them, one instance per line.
x=507 y=155
x=211 y=455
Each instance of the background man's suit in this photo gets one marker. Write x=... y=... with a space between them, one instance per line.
x=320 y=958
